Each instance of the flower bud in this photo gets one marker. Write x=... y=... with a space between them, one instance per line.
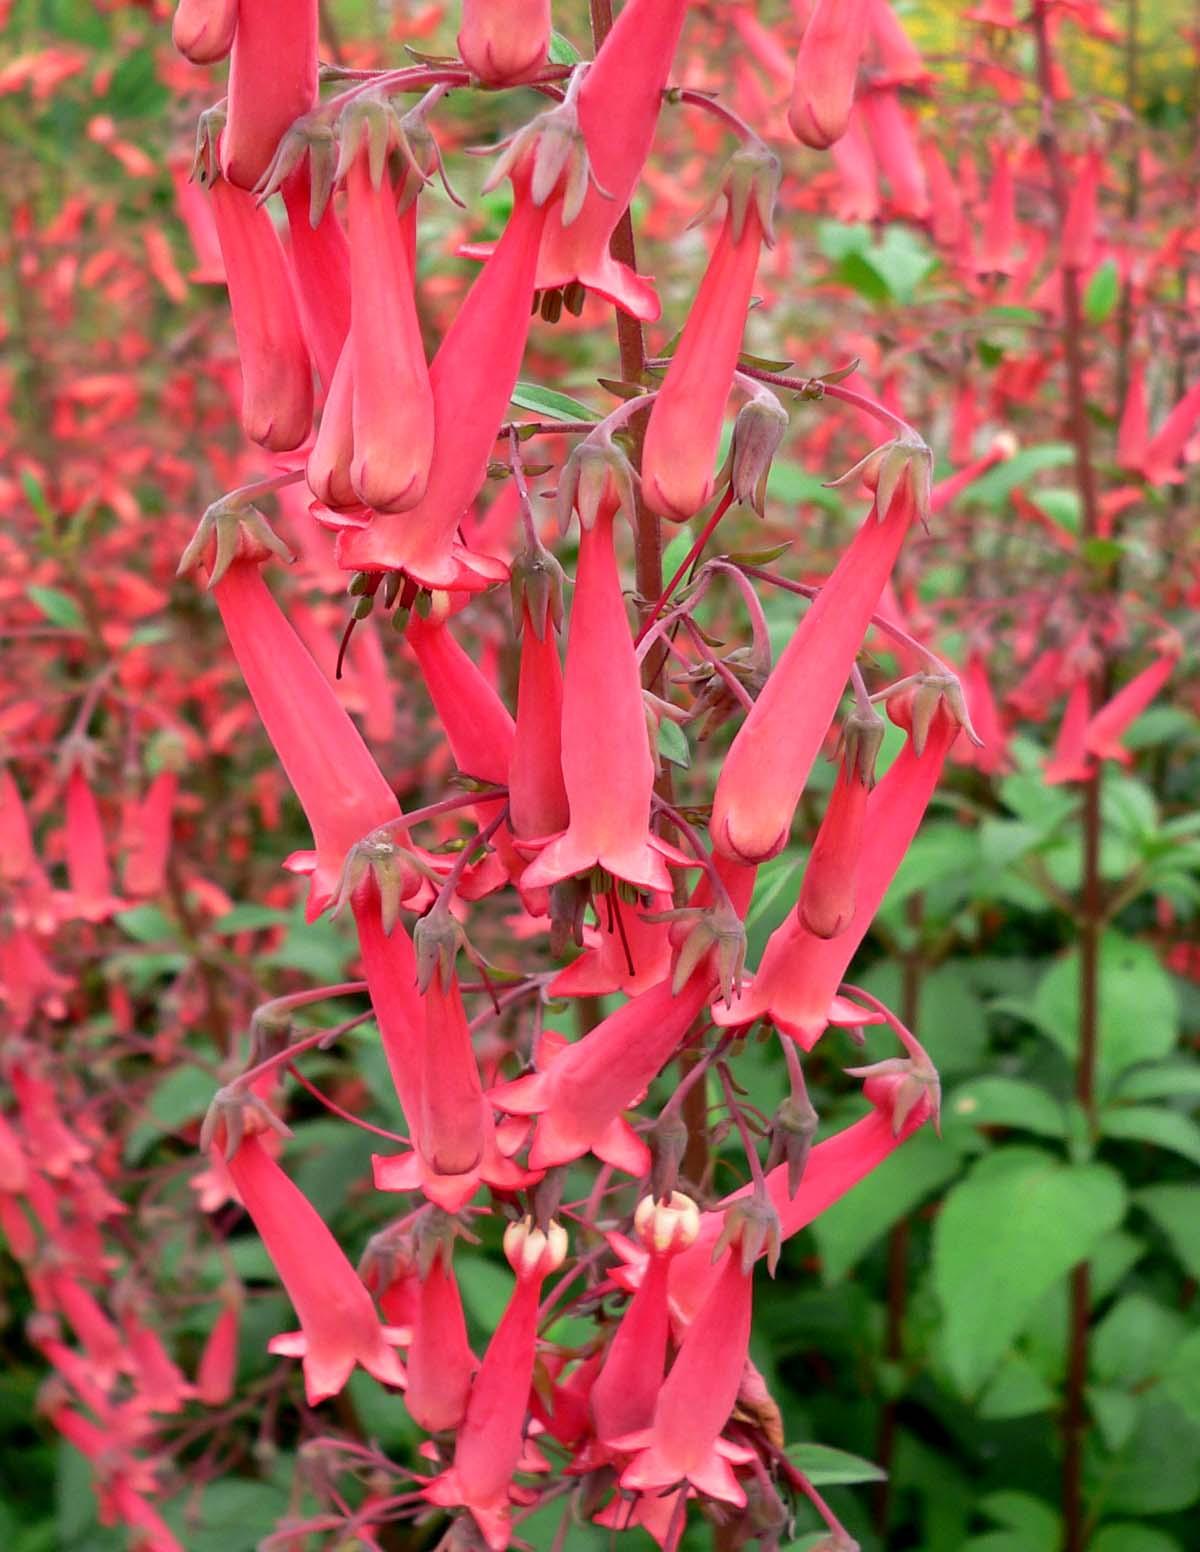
x=504 y=41
x=759 y=428
x=751 y=1224
x=437 y=939
x=533 y=1252
x=666 y=1227
x=792 y=1129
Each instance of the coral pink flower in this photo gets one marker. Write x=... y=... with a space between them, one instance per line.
x=450 y=1136
x=341 y=790
x=827 y=895
x=440 y=1360
x=277 y=396
x=49 y=1139
x=897 y=60
x=627 y=953
x=1070 y=760
x=88 y=870
x=489 y=1444
x=996 y=253
x=320 y=263
x=217 y=1369
x=1170 y=441
x=859 y=198
x=393 y=404
x=827 y=71
x=1133 y=433
x=619 y=104
x=581 y=1089
x=892 y=139
x=1079 y=228
x=1105 y=728
x=95 y=1332
x=477 y=724
x=537 y=798
x=332 y=456
x=472 y=379
x=683 y=1441
x=339 y=1326
x=796 y=984
x=768 y=764
x=390 y=966
x=28 y=981
x=503 y=41
x=607 y=765
x=203 y=30
x=272 y=82
x=147 y=836
x=684 y=431
x=624 y=1393
x=992 y=756
x=33 y=899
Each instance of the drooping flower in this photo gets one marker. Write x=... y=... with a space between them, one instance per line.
x=996 y=252
x=339 y=1326
x=892 y=139
x=1069 y=760
x=1133 y=433
x=504 y=41
x=827 y=71
x=1168 y=444
x=1079 y=226
x=277 y=396
x=1105 y=728
x=537 y=798
x=272 y=82
x=827 y=894
x=607 y=766
x=685 y=420
x=202 y=30
x=332 y=455
x=580 y=1091
x=624 y=1393
x=439 y=1360
x=147 y=837
x=88 y=870
x=320 y=264
x=217 y=1369
x=342 y=791
x=768 y=763
x=450 y=1136
x=489 y=1443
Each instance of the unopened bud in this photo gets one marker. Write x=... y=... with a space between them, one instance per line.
x=667 y=1227
x=437 y=939
x=899 y=1084
x=759 y=428
x=793 y=1127
x=534 y=1252
x=752 y=1225
x=668 y=1140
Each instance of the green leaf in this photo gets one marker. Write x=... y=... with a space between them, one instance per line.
x=36 y=495
x=1037 y=1522
x=848 y=1229
x=58 y=607
x=1154 y=1124
x=1170 y=1080
x=1101 y=293
x=181 y=1097
x=994 y=488
x=249 y=918
x=1116 y=1413
x=563 y=51
x=1138 y=1007
x=146 y=924
x=1133 y=1538
x=1135 y=1340
x=1158 y=1469
x=1173 y=1208
x=1016 y=1389
x=825 y=1467
x=1000 y=1101
x=1005 y=1236
x=1182 y=1379
x=673 y=744
x=548 y=401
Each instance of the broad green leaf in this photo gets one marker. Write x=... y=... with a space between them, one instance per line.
x=1134 y=1538
x=249 y=918
x=1116 y=1413
x=826 y=1467
x=791 y=482
x=1181 y=1381
x=1037 y=1522
x=1158 y=1469
x=776 y=891
x=951 y=1020
x=182 y=1096
x=1000 y=1101
x=1139 y=1010
x=994 y=488
x=848 y=1229
x=1170 y=1080
x=673 y=743
x=1101 y=292
x=1174 y=1209
x=1005 y=1236
x=146 y=924
x=231 y=1514
x=1061 y=504
x=1155 y=1124
x=563 y=51
x=58 y=607
x=1016 y=1389
x=1135 y=1340
x=548 y=401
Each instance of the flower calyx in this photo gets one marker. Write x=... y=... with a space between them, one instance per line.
x=398 y=872
x=235 y=1112
x=859 y=742
x=758 y=429
x=537 y=581
x=668 y=1225
x=597 y=480
x=371 y=125
x=389 y=1257
x=751 y=1227
x=792 y=1129
x=668 y=1140
x=433 y=1239
x=899 y=1084
x=715 y=929
x=750 y=182
x=914 y=702
x=312 y=136
x=206 y=161
x=555 y=143
x=534 y=1252
x=902 y=466
x=236 y=530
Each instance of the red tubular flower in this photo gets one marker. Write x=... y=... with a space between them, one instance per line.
x=1079 y=228
x=627 y=953
x=1103 y=733
x=477 y=724
x=827 y=895
x=992 y=757
x=768 y=764
x=148 y=838
x=579 y=1095
x=683 y=1441
x=607 y=766
x=203 y=30
x=320 y=262
x=619 y=104
x=489 y=1444
x=88 y=869
x=1168 y=443
x=450 y=1136
x=895 y=147
x=390 y=966
x=996 y=255
x=332 y=455
x=272 y=82
x=50 y=1140
x=341 y=790
x=859 y=198
x=217 y=1368
x=277 y=396
x=393 y=404
x=472 y=379
x=827 y=71
x=1133 y=434
x=537 y=798
x=33 y=903
x=504 y=41
x=339 y=1326
x=624 y=1393
x=440 y=1360
x=796 y=983
x=685 y=421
